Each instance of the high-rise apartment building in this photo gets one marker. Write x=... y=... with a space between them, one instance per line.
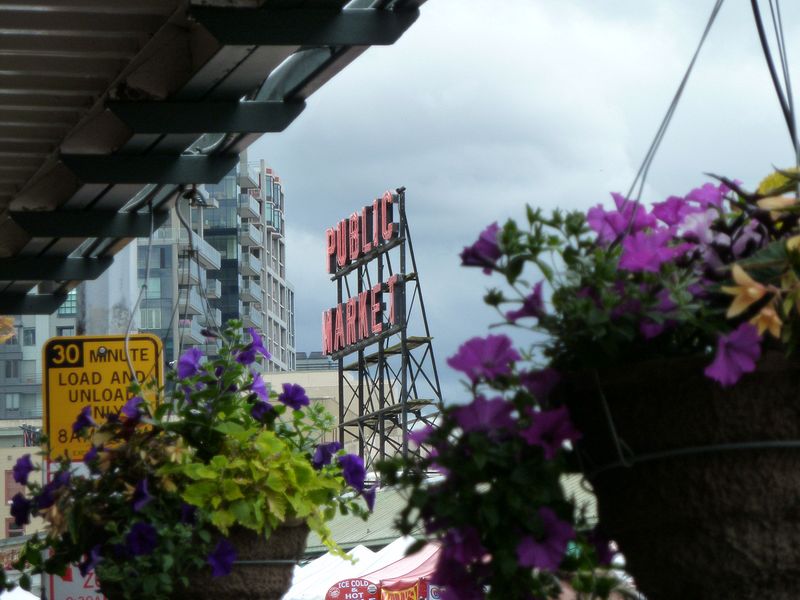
x=248 y=231
x=232 y=266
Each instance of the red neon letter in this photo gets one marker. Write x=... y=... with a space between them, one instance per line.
x=391 y=283
x=351 y=321
x=366 y=229
x=377 y=321
x=330 y=243
x=341 y=243
x=388 y=229
x=338 y=335
x=376 y=225
x=355 y=242
x=363 y=321
x=327 y=332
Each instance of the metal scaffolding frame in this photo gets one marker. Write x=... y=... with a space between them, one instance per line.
x=397 y=386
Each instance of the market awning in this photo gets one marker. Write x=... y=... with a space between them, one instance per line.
x=108 y=108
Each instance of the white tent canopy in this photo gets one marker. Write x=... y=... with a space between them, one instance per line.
x=314 y=584
x=18 y=594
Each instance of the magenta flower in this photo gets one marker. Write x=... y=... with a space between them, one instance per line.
x=540 y=383
x=486 y=414
x=532 y=306
x=421 y=435
x=484 y=252
x=609 y=225
x=673 y=210
x=463 y=545
x=261 y=410
x=22 y=469
x=294 y=395
x=487 y=357
x=189 y=363
x=708 y=195
x=221 y=558
x=546 y=551
x=550 y=429
x=131 y=408
x=651 y=329
x=647 y=251
x=737 y=354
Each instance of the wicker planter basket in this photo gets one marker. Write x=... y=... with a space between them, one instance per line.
x=251 y=580
x=709 y=504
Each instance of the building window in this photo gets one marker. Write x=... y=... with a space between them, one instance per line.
x=65 y=331
x=12 y=368
x=70 y=305
x=29 y=336
x=154 y=288
x=150 y=318
x=12 y=401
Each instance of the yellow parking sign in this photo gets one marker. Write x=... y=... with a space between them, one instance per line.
x=92 y=371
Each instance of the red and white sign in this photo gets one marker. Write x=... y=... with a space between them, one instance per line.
x=74 y=586
x=353 y=589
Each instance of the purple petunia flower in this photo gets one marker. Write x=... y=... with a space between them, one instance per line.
x=540 y=383
x=21 y=509
x=189 y=363
x=737 y=354
x=141 y=539
x=324 y=453
x=532 y=306
x=92 y=558
x=484 y=252
x=84 y=420
x=294 y=396
x=369 y=497
x=256 y=346
x=259 y=387
x=188 y=514
x=486 y=414
x=22 y=469
x=547 y=551
x=463 y=545
x=131 y=408
x=353 y=471
x=550 y=429
x=221 y=558
x=91 y=454
x=651 y=329
x=486 y=357
x=673 y=210
x=261 y=410
x=647 y=251
x=141 y=496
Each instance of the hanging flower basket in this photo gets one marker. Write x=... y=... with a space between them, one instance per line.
x=263 y=569
x=697 y=484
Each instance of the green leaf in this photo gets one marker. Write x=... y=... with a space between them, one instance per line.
x=231 y=490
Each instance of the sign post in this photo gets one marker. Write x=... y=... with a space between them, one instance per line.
x=90 y=371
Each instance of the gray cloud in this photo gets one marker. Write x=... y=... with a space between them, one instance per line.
x=483 y=107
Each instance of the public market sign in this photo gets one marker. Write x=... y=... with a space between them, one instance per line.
x=92 y=371
x=353 y=242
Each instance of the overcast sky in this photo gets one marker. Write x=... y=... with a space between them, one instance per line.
x=485 y=105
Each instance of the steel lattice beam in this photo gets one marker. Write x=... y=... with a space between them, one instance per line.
x=56 y=268
x=30 y=304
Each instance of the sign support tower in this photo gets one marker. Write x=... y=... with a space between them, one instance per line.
x=392 y=388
